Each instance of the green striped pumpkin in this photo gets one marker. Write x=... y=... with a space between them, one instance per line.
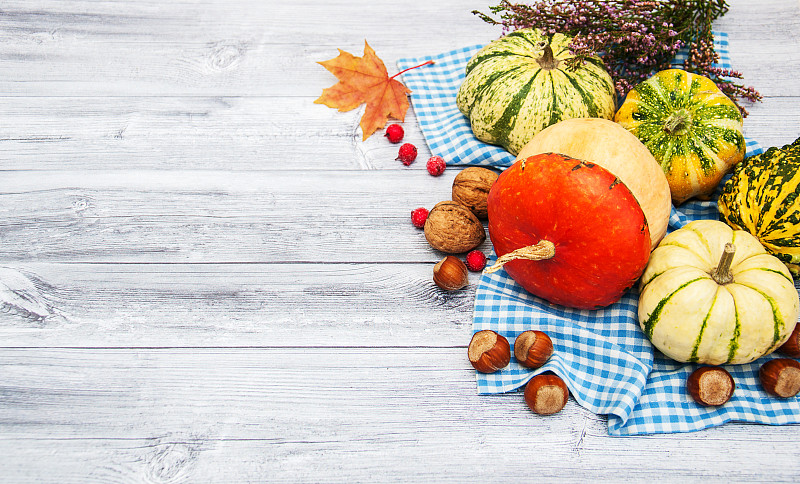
x=519 y=84
x=762 y=198
x=692 y=129
x=692 y=313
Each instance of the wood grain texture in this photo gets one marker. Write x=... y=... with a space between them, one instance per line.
x=233 y=134
x=236 y=48
x=191 y=132
x=205 y=277
x=202 y=305
x=197 y=48
x=218 y=216
x=310 y=415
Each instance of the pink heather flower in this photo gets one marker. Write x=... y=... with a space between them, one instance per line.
x=634 y=38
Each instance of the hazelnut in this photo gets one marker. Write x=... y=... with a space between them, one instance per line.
x=710 y=385
x=532 y=349
x=792 y=346
x=450 y=274
x=471 y=189
x=488 y=351
x=780 y=377
x=546 y=394
x=453 y=229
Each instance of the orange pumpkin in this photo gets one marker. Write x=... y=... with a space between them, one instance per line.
x=567 y=230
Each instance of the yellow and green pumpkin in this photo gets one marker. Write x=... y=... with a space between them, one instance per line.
x=711 y=294
x=762 y=198
x=692 y=129
x=520 y=84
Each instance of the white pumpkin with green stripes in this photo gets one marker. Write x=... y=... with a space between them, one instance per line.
x=520 y=84
x=711 y=294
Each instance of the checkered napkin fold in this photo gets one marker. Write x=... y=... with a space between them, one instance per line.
x=605 y=359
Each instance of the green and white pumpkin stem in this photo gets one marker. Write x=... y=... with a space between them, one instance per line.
x=547 y=61
x=722 y=273
x=678 y=123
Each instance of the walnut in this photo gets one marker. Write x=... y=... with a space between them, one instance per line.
x=452 y=228
x=471 y=189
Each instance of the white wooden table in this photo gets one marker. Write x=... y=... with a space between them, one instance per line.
x=206 y=277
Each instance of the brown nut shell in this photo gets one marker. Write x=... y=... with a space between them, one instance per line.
x=450 y=274
x=710 y=385
x=489 y=351
x=453 y=229
x=471 y=189
x=533 y=348
x=791 y=347
x=780 y=377
x=546 y=394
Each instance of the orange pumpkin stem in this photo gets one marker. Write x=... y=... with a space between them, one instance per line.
x=541 y=251
x=722 y=274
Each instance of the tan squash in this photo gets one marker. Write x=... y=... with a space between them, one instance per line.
x=611 y=146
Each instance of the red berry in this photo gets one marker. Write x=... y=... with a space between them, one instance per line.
x=407 y=154
x=419 y=216
x=394 y=133
x=436 y=165
x=476 y=261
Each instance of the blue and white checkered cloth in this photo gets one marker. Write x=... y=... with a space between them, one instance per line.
x=605 y=359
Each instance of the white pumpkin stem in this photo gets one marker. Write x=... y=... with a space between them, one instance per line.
x=722 y=273
x=541 y=251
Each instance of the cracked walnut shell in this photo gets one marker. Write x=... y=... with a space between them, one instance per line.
x=471 y=189
x=452 y=228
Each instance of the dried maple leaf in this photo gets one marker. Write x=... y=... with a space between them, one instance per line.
x=365 y=80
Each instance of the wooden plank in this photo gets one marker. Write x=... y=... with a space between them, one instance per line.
x=301 y=414
x=235 y=134
x=201 y=48
x=178 y=133
x=249 y=317
x=210 y=49
x=217 y=216
x=194 y=22
x=230 y=305
x=775 y=121
x=758 y=22
x=178 y=458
